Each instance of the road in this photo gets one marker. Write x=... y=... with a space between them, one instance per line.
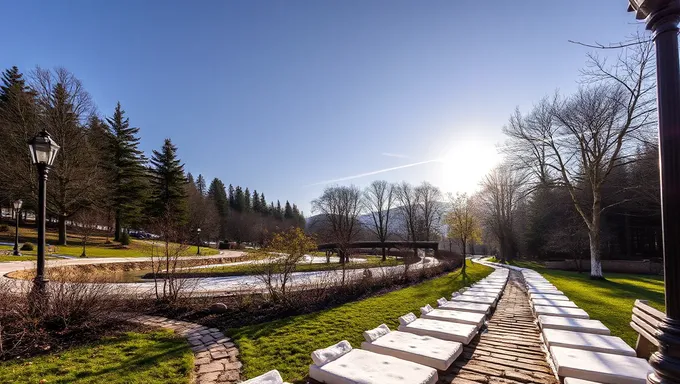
x=207 y=285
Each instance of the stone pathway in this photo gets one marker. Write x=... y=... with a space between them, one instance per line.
x=510 y=351
x=215 y=355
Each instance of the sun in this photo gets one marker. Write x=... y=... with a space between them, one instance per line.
x=466 y=163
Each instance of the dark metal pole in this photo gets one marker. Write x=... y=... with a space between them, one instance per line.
x=40 y=281
x=198 y=247
x=664 y=24
x=16 y=234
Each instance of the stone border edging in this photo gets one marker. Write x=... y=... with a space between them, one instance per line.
x=215 y=355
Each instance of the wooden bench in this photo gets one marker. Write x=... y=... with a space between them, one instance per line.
x=645 y=321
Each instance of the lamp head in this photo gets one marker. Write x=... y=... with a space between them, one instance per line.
x=17 y=204
x=43 y=149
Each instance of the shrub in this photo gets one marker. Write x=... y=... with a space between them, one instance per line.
x=4 y=228
x=125 y=238
x=72 y=312
x=27 y=247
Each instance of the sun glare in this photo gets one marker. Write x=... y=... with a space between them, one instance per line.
x=466 y=163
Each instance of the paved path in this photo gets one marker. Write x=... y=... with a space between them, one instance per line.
x=215 y=355
x=510 y=351
x=209 y=285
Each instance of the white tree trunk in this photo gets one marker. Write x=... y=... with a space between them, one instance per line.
x=594 y=236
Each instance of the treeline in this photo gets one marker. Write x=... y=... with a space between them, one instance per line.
x=236 y=214
x=101 y=178
x=581 y=177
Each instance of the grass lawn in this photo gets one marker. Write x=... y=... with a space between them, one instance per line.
x=132 y=358
x=137 y=248
x=610 y=301
x=250 y=269
x=287 y=344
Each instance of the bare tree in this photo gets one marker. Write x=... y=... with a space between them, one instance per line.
x=432 y=208
x=378 y=199
x=339 y=208
x=500 y=195
x=594 y=131
x=527 y=148
x=75 y=177
x=410 y=200
x=87 y=221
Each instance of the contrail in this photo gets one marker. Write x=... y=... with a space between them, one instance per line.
x=374 y=172
x=397 y=155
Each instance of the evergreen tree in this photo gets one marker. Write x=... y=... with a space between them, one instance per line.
x=256 y=202
x=190 y=179
x=218 y=196
x=272 y=209
x=126 y=171
x=246 y=206
x=278 y=214
x=288 y=211
x=239 y=200
x=232 y=197
x=18 y=124
x=168 y=196
x=200 y=185
x=263 y=205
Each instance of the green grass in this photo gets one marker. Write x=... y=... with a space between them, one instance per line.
x=132 y=358
x=97 y=245
x=610 y=301
x=287 y=344
x=137 y=249
x=250 y=269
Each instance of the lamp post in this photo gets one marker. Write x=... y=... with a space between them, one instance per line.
x=43 y=152
x=198 y=236
x=17 y=207
x=662 y=18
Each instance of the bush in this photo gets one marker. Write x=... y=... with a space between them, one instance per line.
x=73 y=312
x=4 y=228
x=125 y=238
x=27 y=247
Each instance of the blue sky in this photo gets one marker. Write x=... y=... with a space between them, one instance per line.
x=285 y=96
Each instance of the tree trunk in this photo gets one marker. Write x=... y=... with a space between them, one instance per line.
x=62 y=230
x=464 y=260
x=384 y=254
x=117 y=227
x=594 y=237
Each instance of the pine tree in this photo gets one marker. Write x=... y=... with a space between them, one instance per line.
x=279 y=211
x=256 y=202
x=127 y=171
x=239 y=200
x=288 y=211
x=218 y=196
x=263 y=205
x=18 y=124
x=247 y=207
x=190 y=179
x=200 y=185
x=232 y=197
x=168 y=196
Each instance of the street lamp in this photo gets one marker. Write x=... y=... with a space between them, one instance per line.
x=198 y=235
x=43 y=152
x=17 y=207
x=662 y=18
